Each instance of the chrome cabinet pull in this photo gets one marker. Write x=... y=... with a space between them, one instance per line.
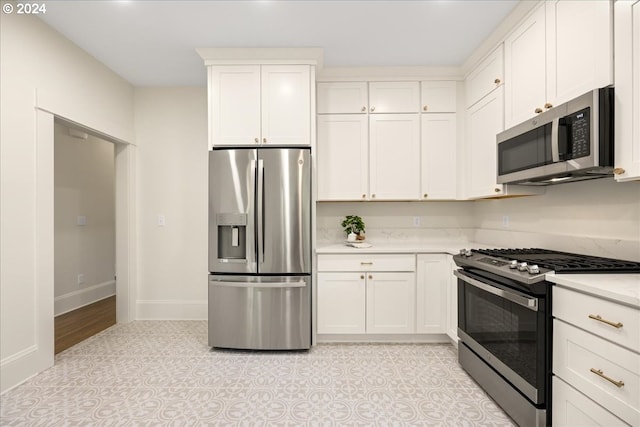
x=597 y=317
x=257 y=140
x=373 y=108
x=599 y=373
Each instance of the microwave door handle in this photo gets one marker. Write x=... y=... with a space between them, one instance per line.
x=555 y=152
x=530 y=303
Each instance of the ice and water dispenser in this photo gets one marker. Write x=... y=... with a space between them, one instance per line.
x=232 y=236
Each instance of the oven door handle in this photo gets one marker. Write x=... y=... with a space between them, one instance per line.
x=530 y=303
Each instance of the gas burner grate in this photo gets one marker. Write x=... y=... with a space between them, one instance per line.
x=564 y=262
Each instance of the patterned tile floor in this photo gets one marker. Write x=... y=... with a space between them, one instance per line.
x=163 y=373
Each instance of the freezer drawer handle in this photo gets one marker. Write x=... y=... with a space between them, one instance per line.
x=530 y=303
x=300 y=284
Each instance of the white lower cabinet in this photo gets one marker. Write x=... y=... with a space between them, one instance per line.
x=434 y=277
x=597 y=356
x=572 y=408
x=341 y=303
x=387 y=294
x=391 y=303
x=366 y=294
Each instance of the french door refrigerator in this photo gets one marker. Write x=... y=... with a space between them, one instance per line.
x=260 y=248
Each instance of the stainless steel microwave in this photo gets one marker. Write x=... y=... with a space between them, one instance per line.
x=570 y=142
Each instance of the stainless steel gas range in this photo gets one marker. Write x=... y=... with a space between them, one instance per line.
x=505 y=324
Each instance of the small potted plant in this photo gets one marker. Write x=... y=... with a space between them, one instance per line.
x=354 y=228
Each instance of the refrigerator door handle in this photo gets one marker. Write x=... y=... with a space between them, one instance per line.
x=260 y=206
x=269 y=285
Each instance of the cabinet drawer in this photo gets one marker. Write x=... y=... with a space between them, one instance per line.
x=577 y=354
x=374 y=262
x=575 y=308
x=572 y=408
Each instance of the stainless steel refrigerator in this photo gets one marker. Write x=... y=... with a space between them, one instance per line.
x=260 y=248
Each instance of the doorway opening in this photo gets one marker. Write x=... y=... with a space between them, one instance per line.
x=84 y=235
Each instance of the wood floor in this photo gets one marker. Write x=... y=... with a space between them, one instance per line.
x=80 y=324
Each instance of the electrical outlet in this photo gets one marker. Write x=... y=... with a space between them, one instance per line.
x=81 y=220
x=505 y=221
x=161 y=220
x=80 y=279
x=416 y=221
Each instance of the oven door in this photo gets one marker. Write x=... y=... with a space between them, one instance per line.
x=506 y=328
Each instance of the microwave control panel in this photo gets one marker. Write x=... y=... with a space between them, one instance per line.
x=579 y=132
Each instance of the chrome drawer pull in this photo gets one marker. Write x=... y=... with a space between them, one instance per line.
x=599 y=373
x=597 y=317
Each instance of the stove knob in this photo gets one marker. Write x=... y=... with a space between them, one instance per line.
x=534 y=269
x=462 y=252
x=513 y=264
x=522 y=266
x=467 y=253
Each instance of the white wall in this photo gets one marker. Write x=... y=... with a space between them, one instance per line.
x=395 y=220
x=171 y=133
x=40 y=68
x=598 y=217
x=84 y=185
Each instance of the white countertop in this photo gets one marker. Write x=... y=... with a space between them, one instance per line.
x=623 y=288
x=450 y=247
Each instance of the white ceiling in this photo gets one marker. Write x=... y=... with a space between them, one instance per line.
x=152 y=43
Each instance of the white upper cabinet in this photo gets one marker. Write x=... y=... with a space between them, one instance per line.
x=286 y=104
x=438 y=156
x=579 y=48
x=394 y=152
x=560 y=51
x=525 y=69
x=438 y=96
x=342 y=98
x=485 y=77
x=394 y=97
x=484 y=122
x=260 y=104
x=343 y=157
x=234 y=105
x=627 y=92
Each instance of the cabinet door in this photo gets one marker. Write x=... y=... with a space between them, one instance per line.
x=286 y=105
x=485 y=77
x=341 y=303
x=579 y=48
x=342 y=98
x=234 y=105
x=484 y=122
x=394 y=97
x=394 y=162
x=627 y=77
x=439 y=153
x=525 y=69
x=572 y=408
x=390 y=303
x=452 y=302
x=431 y=293
x=343 y=157
x=438 y=96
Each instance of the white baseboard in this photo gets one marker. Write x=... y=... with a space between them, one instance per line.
x=384 y=338
x=19 y=367
x=171 y=310
x=76 y=299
